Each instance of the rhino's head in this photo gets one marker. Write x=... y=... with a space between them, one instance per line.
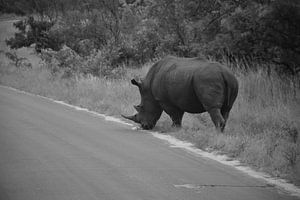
x=149 y=111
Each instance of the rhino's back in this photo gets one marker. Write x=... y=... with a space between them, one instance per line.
x=191 y=84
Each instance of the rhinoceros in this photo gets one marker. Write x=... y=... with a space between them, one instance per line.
x=178 y=85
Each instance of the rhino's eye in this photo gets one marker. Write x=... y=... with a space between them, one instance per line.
x=141 y=107
x=138 y=108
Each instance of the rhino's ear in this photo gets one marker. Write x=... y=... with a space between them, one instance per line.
x=135 y=82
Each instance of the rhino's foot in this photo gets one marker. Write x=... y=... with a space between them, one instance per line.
x=175 y=125
x=146 y=126
x=217 y=119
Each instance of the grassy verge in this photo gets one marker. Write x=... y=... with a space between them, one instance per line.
x=262 y=128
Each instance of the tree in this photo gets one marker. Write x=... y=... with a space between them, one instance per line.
x=38 y=33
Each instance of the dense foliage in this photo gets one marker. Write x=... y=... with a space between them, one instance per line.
x=264 y=32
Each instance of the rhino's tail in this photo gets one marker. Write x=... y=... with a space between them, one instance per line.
x=231 y=90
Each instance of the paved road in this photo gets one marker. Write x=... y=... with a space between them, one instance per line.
x=51 y=151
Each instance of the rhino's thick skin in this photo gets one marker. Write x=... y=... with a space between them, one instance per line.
x=178 y=85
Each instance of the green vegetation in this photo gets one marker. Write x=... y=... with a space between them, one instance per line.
x=89 y=50
x=263 y=32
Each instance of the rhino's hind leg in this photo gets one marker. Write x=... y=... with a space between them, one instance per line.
x=217 y=119
x=225 y=114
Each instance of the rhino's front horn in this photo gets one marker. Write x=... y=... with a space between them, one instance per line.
x=133 y=118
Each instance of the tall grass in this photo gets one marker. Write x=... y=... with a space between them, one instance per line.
x=261 y=131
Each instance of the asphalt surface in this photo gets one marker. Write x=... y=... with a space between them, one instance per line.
x=51 y=151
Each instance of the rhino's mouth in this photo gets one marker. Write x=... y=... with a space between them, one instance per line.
x=147 y=126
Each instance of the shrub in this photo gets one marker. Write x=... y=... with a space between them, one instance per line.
x=69 y=63
x=32 y=31
x=19 y=62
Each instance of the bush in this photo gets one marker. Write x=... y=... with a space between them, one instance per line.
x=19 y=62
x=70 y=64
x=36 y=32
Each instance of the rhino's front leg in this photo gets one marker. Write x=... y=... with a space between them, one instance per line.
x=175 y=113
x=177 y=119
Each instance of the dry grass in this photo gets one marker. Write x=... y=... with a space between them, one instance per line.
x=261 y=131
